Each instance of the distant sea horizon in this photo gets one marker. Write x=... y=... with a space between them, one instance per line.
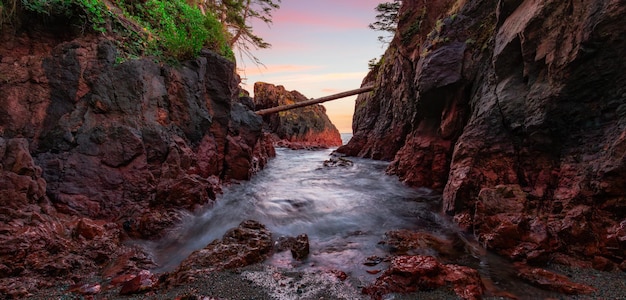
x=345 y=137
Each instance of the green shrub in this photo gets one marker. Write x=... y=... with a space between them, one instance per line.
x=160 y=28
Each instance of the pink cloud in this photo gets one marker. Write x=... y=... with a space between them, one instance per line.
x=319 y=20
x=275 y=69
x=330 y=91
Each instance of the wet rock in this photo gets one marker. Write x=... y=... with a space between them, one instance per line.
x=341 y=275
x=408 y=274
x=338 y=162
x=122 y=279
x=249 y=243
x=84 y=140
x=299 y=246
x=86 y=289
x=143 y=282
x=300 y=128
x=551 y=281
x=373 y=261
x=460 y=108
x=405 y=242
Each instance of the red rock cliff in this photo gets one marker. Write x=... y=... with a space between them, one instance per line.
x=515 y=111
x=301 y=127
x=93 y=152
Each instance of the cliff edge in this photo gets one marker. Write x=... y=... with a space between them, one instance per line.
x=95 y=152
x=305 y=127
x=515 y=111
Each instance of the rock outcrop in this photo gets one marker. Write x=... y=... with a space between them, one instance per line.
x=306 y=127
x=248 y=243
x=94 y=151
x=515 y=111
x=417 y=273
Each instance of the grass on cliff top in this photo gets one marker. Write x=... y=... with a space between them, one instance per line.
x=161 y=28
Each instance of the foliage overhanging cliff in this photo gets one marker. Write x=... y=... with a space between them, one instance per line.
x=515 y=110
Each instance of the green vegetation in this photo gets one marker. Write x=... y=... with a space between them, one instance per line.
x=163 y=29
x=409 y=34
x=178 y=29
x=386 y=19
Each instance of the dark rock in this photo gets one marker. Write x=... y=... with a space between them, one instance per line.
x=338 y=162
x=414 y=273
x=299 y=128
x=552 y=281
x=299 y=246
x=85 y=141
x=404 y=242
x=522 y=97
x=86 y=289
x=143 y=282
x=246 y=244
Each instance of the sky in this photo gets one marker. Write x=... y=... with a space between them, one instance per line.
x=318 y=48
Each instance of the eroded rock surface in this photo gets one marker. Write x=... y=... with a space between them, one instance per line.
x=94 y=152
x=300 y=128
x=515 y=112
x=416 y=273
x=249 y=243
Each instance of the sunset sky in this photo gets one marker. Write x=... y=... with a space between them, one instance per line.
x=318 y=48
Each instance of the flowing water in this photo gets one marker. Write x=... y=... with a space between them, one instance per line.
x=345 y=211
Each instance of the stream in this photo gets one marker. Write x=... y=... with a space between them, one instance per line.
x=345 y=211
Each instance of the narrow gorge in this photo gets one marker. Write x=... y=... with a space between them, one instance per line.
x=505 y=121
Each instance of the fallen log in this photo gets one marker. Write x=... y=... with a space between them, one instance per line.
x=276 y=109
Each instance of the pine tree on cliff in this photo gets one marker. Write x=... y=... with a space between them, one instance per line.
x=386 y=19
x=236 y=16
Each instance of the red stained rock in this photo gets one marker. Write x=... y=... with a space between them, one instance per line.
x=411 y=242
x=122 y=279
x=143 y=282
x=300 y=128
x=521 y=108
x=86 y=140
x=551 y=281
x=86 y=289
x=602 y=264
x=246 y=244
x=408 y=274
x=89 y=229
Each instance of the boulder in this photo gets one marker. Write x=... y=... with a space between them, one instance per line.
x=299 y=246
x=246 y=244
x=551 y=281
x=408 y=274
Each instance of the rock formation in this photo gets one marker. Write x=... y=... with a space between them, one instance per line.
x=94 y=152
x=515 y=111
x=306 y=127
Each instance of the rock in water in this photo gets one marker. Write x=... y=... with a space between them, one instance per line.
x=415 y=273
x=244 y=245
x=299 y=246
x=305 y=127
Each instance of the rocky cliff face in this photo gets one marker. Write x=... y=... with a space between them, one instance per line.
x=93 y=152
x=515 y=111
x=297 y=128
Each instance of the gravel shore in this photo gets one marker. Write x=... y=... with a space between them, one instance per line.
x=260 y=282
